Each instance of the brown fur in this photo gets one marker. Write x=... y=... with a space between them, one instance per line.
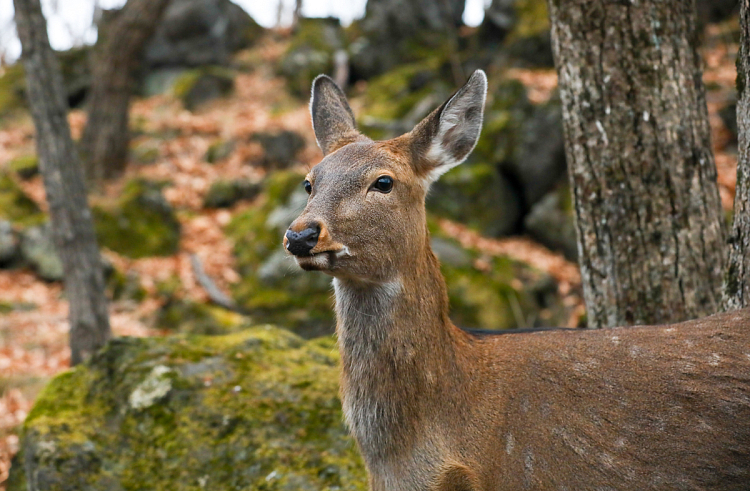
x=435 y=408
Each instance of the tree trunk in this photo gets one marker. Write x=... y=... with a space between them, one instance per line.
x=116 y=56
x=737 y=279
x=648 y=215
x=72 y=226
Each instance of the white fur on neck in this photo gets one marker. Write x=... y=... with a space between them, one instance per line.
x=364 y=313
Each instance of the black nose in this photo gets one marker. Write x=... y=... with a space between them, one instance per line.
x=301 y=243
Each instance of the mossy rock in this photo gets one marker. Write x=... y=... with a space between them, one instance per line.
x=273 y=288
x=501 y=294
x=140 y=223
x=75 y=71
x=198 y=86
x=26 y=166
x=479 y=196
x=257 y=409
x=12 y=88
x=16 y=206
x=310 y=53
x=196 y=318
x=225 y=193
x=392 y=95
x=219 y=151
x=39 y=251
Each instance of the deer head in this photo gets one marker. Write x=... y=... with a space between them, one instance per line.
x=365 y=218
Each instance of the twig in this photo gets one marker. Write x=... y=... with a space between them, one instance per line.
x=214 y=294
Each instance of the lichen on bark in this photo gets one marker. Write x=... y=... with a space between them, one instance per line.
x=647 y=206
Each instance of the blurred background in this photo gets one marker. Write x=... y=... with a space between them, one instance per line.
x=190 y=223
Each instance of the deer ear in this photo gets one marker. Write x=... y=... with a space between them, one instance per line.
x=332 y=118
x=448 y=135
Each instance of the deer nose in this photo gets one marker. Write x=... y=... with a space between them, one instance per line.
x=301 y=243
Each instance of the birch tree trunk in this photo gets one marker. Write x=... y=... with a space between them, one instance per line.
x=648 y=215
x=72 y=226
x=118 y=51
x=737 y=280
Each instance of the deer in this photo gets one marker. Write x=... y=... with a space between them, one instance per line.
x=435 y=407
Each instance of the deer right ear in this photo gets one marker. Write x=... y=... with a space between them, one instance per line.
x=332 y=118
x=448 y=135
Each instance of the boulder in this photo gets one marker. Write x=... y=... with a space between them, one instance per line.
x=280 y=148
x=25 y=167
x=478 y=195
x=496 y=292
x=188 y=317
x=198 y=86
x=538 y=164
x=225 y=193
x=16 y=206
x=194 y=33
x=258 y=409
x=39 y=251
x=311 y=52
x=8 y=243
x=396 y=32
x=219 y=151
x=550 y=222
x=140 y=223
x=74 y=67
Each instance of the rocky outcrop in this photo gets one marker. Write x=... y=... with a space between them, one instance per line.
x=258 y=409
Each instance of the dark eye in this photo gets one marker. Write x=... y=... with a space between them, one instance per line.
x=308 y=187
x=384 y=184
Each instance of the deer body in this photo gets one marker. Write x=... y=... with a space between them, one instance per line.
x=433 y=407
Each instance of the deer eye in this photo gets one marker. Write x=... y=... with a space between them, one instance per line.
x=308 y=186
x=384 y=184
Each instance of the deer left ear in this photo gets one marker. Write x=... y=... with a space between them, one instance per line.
x=332 y=118
x=447 y=136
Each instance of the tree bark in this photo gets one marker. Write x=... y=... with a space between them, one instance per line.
x=116 y=56
x=737 y=279
x=72 y=225
x=648 y=215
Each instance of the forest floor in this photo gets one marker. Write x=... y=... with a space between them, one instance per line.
x=33 y=341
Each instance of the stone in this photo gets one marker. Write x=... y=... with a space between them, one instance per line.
x=16 y=206
x=140 y=223
x=257 y=409
x=538 y=163
x=550 y=222
x=39 y=251
x=280 y=148
x=25 y=167
x=219 y=151
x=311 y=52
x=8 y=243
x=195 y=33
x=225 y=193
x=201 y=85
x=478 y=195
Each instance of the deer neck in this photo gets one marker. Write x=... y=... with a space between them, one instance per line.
x=397 y=346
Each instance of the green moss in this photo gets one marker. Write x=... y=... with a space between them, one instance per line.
x=252 y=410
x=25 y=167
x=531 y=19
x=12 y=87
x=497 y=292
x=310 y=53
x=16 y=206
x=139 y=224
x=392 y=95
x=194 y=87
x=196 y=318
